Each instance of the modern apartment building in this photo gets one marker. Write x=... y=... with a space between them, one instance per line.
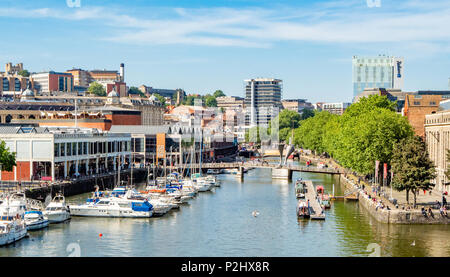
x=262 y=100
x=377 y=72
x=46 y=82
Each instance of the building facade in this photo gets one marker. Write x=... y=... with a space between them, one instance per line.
x=377 y=72
x=335 y=108
x=49 y=154
x=437 y=138
x=417 y=106
x=230 y=102
x=296 y=105
x=262 y=100
x=47 y=82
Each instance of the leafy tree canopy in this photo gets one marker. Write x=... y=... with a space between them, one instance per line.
x=7 y=158
x=97 y=89
x=412 y=167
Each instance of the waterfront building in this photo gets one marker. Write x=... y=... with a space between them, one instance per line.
x=49 y=154
x=437 y=138
x=230 y=102
x=419 y=105
x=335 y=108
x=48 y=82
x=377 y=72
x=262 y=100
x=296 y=105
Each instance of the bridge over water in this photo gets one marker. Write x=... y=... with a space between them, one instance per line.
x=281 y=172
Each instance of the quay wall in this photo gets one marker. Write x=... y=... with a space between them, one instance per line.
x=75 y=187
x=394 y=216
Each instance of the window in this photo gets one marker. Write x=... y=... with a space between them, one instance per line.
x=17 y=86
x=62 y=147
x=5 y=84
x=80 y=148
x=56 y=149
x=417 y=103
x=69 y=149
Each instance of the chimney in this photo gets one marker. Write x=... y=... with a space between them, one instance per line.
x=122 y=72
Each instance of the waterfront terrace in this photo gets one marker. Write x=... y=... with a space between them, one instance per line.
x=56 y=153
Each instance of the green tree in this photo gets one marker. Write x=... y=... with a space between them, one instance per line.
x=288 y=121
x=210 y=101
x=368 y=137
x=24 y=73
x=307 y=113
x=412 y=167
x=7 y=158
x=218 y=93
x=96 y=89
x=311 y=132
x=160 y=98
x=135 y=90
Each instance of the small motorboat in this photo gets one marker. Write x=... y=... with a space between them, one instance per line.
x=35 y=220
x=303 y=209
x=300 y=189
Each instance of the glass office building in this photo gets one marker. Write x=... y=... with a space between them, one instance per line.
x=262 y=100
x=377 y=72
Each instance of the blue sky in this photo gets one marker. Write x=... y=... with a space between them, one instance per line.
x=202 y=46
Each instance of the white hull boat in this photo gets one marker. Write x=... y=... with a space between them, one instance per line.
x=113 y=207
x=35 y=220
x=57 y=211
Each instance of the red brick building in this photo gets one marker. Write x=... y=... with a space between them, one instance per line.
x=417 y=106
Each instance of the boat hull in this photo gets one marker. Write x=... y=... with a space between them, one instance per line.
x=57 y=217
x=37 y=225
x=99 y=212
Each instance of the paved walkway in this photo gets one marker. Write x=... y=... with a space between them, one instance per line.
x=422 y=199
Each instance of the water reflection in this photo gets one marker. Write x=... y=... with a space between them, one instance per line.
x=221 y=223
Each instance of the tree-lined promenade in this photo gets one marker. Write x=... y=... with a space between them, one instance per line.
x=368 y=131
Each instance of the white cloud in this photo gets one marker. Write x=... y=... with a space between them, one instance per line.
x=417 y=22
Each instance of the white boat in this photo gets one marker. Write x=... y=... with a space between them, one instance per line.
x=12 y=225
x=35 y=220
x=230 y=171
x=113 y=207
x=213 y=171
x=57 y=211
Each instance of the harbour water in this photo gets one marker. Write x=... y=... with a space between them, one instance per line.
x=220 y=223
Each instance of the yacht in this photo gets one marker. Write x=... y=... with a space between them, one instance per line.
x=35 y=220
x=12 y=225
x=113 y=207
x=57 y=211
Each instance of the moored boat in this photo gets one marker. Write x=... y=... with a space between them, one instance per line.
x=303 y=209
x=35 y=220
x=57 y=211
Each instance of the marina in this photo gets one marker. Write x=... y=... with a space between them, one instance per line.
x=254 y=217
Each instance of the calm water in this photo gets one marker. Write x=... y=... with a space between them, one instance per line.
x=220 y=223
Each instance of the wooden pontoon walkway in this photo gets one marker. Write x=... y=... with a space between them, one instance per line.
x=315 y=210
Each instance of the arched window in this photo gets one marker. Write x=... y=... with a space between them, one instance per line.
x=5 y=84
x=31 y=117
x=17 y=86
x=8 y=118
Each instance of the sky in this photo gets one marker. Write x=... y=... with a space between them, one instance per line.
x=202 y=46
